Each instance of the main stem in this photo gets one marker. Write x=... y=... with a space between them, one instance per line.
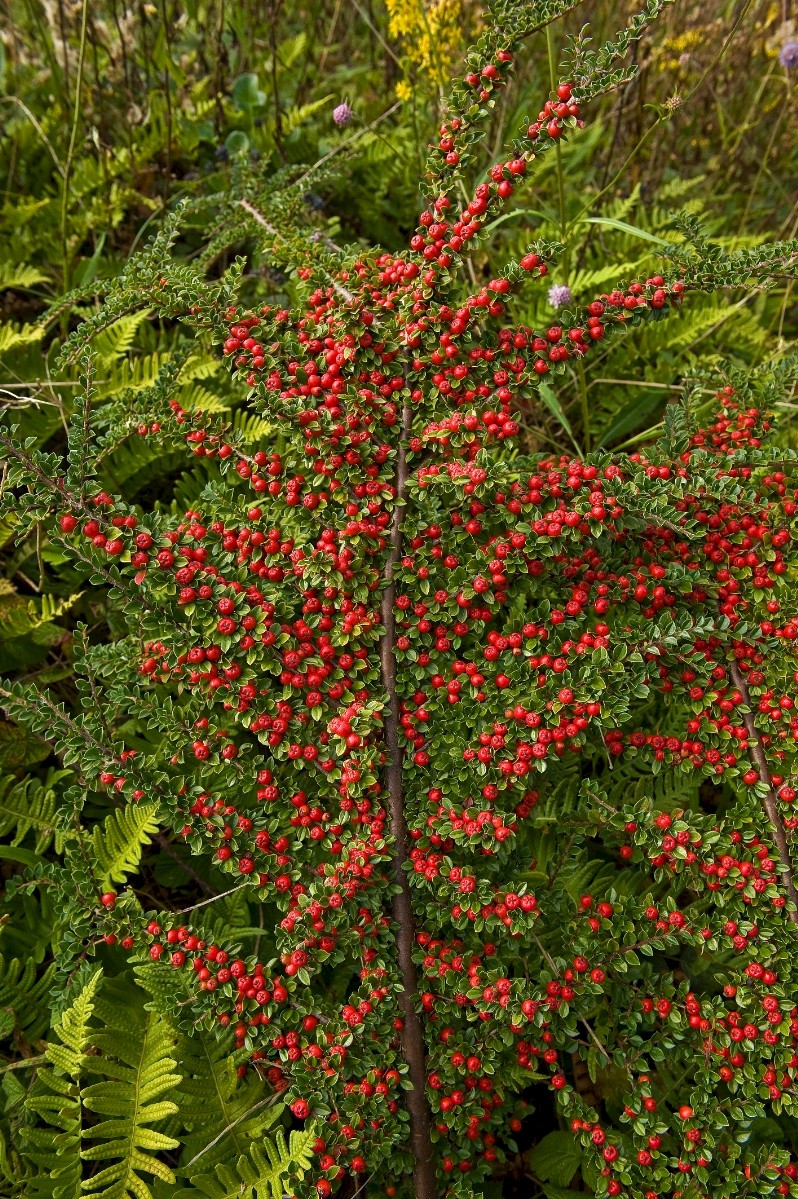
x=769 y=801
x=424 y=1180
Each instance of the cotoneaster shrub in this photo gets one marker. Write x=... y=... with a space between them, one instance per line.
x=503 y=744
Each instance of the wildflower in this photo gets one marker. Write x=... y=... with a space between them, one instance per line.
x=788 y=55
x=343 y=114
x=559 y=295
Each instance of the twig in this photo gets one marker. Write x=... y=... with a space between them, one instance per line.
x=359 y=133
x=38 y=128
x=261 y=219
x=203 y=903
x=24 y=1063
x=268 y=1102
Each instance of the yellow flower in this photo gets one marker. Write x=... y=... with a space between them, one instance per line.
x=434 y=32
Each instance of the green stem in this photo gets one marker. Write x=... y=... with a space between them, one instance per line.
x=580 y=367
x=73 y=136
x=560 y=176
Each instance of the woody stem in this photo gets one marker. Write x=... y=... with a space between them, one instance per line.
x=425 y=1184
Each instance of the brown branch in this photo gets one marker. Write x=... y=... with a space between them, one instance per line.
x=425 y=1184
x=769 y=801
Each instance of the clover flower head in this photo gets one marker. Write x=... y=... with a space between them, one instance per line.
x=559 y=295
x=342 y=114
x=788 y=55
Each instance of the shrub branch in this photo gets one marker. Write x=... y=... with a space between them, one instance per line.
x=412 y=1037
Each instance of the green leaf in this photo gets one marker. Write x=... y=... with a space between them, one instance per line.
x=53 y=1143
x=632 y=417
x=25 y=857
x=237 y=142
x=73 y=1029
x=29 y=806
x=20 y=276
x=624 y=227
x=117 y=338
x=25 y=994
x=246 y=93
x=549 y=398
x=556 y=1158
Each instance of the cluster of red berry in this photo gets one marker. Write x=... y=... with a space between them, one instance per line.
x=551 y=622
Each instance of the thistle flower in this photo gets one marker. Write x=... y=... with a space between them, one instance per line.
x=559 y=295
x=343 y=114
x=788 y=55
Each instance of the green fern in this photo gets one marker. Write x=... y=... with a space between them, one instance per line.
x=56 y=1101
x=24 y=1003
x=129 y=374
x=29 y=806
x=262 y=1173
x=195 y=398
x=251 y=427
x=13 y=1168
x=130 y=1052
x=233 y=1144
x=19 y=616
x=20 y=276
x=116 y=339
x=199 y=366
x=135 y=1066
x=118 y=843
x=222 y=1113
x=14 y=335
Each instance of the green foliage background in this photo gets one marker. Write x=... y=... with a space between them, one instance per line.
x=109 y=115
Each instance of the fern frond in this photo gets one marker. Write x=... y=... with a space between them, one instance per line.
x=222 y=1113
x=73 y=1031
x=13 y=1168
x=296 y=117
x=13 y=335
x=29 y=805
x=118 y=843
x=252 y=428
x=19 y=617
x=129 y=374
x=20 y=275
x=115 y=340
x=195 y=398
x=262 y=1173
x=136 y=1070
x=134 y=1065
x=199 y=367
x=25 y=997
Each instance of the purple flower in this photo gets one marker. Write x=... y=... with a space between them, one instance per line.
x=788 y=55
x=343 y=114
x=559 y=295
